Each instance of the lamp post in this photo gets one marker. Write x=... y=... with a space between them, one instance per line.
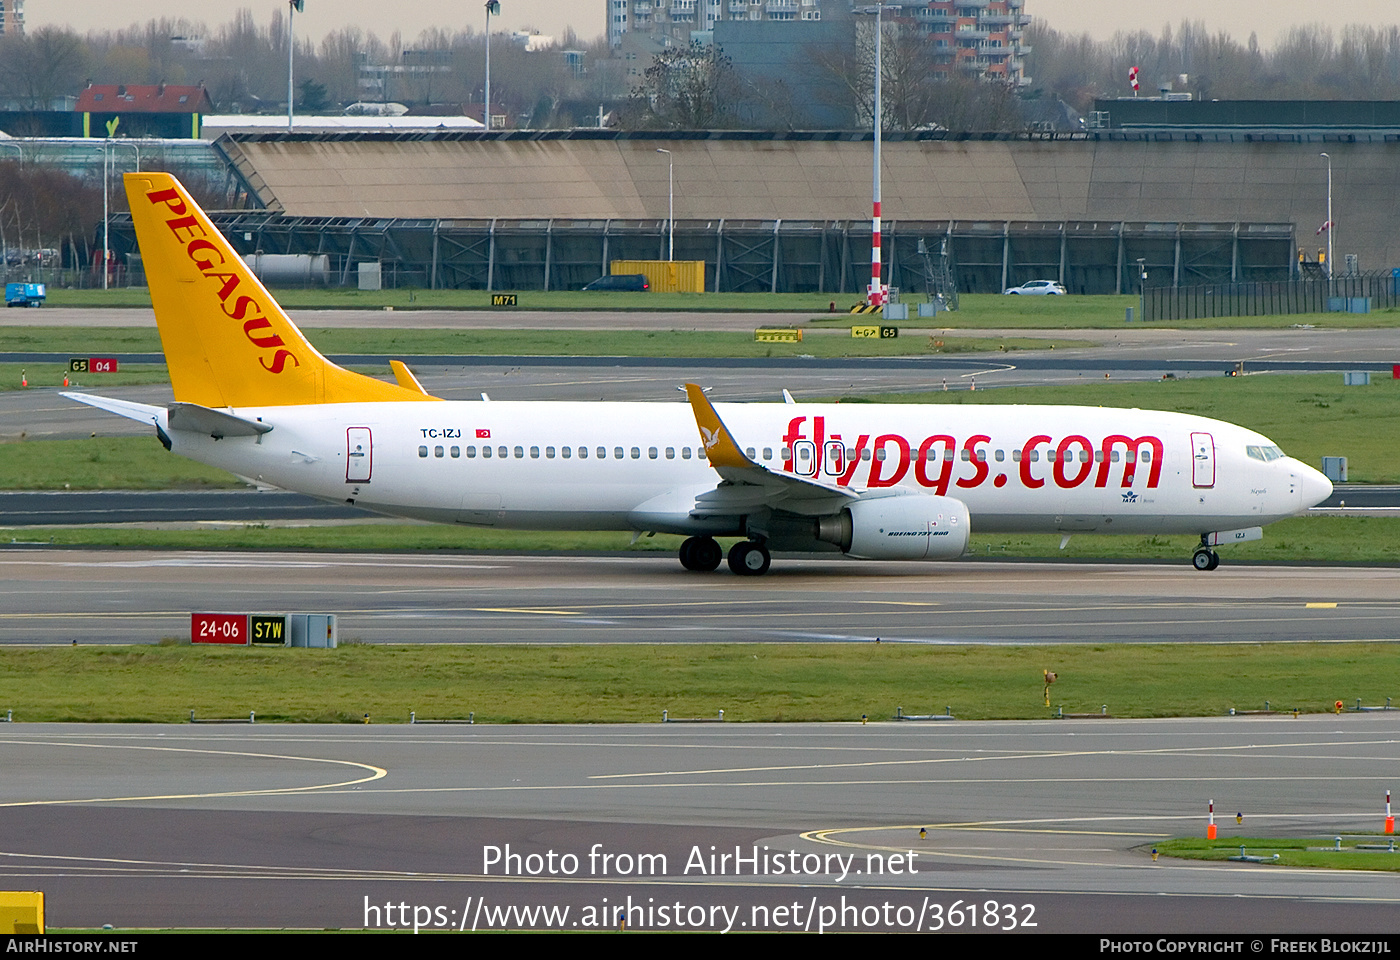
x=1142 y=288
x=670 y=203
x=136 y=149
x=106 y=235
x=493 y=8
x=1329 y=225
x=293 y=7
x=876 y=293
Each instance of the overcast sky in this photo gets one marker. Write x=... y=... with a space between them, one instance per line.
x=1101 y=18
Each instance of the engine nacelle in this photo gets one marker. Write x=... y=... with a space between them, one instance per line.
x=912 y=527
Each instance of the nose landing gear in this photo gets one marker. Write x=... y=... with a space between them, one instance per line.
x=1205 y=558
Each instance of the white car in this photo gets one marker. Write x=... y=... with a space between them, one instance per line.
x=1037 y=288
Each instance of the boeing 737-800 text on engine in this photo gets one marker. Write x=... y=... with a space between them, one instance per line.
x=873 y=481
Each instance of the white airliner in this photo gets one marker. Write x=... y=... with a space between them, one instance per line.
x=871 y=481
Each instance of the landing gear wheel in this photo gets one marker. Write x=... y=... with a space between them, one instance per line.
x=701 y=553
x=1205 y=559
x=749 y=559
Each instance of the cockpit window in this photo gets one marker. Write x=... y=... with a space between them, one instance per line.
x=1264 y=453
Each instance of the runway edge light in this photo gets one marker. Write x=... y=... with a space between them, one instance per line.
x=21 y=911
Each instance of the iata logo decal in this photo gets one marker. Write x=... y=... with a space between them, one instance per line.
x=188 y=230
x=1130 y=497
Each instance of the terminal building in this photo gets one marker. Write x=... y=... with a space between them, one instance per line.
x=790 y=212
x=539 y=210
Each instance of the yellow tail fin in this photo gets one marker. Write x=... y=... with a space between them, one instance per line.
x=227 y=342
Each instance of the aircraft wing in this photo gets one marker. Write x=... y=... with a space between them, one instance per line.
x=748 y=485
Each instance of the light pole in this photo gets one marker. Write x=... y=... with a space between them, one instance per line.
x=876 y=293
x=670 y=203
x=1328 y=226
x=1142 y=289
x=293 y=7
x=493 y=7
x=106 y=236
x=136 y=149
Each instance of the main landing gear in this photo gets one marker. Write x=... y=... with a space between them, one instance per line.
x=1205 y=558
x=748 y=558
x=701 y=553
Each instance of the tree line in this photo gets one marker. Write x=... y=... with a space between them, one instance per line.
x=242 y=63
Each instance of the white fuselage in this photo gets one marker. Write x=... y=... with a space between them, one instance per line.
x=640 y=466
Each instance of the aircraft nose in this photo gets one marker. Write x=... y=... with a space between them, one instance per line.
x=1313 y=487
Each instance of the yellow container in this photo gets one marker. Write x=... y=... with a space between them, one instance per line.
x=21 y=911
x=666 y=276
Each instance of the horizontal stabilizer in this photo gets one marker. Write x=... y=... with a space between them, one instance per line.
x=141 y=412
x=193 y=418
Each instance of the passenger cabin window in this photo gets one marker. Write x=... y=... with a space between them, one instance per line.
x=636 y=453
x=520 y=453
x=670 y=453
x=534 y=453
x=456 y=453
x=768 y=453
x=437 y=452
x=422 y=451
x=685 y=453
x=471 y=453
x=617 y=453
x=549 y=453
x=652 y=453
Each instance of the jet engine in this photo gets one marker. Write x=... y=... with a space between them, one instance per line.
x=911 y=527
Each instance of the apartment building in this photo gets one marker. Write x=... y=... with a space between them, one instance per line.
x=11 y=17
x=971 y=37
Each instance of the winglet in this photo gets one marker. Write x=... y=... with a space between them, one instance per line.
x=719 y=443
x=406 y=378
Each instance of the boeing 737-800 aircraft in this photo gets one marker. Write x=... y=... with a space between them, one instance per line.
x=871 y=481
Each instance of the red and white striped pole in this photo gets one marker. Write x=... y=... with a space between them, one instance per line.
x=1210 y=823
x=875 y=293
x=1389 y=820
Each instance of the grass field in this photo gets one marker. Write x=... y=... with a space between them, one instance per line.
x=1292 y=851
x=630 y=683
x=90 y=341
x=12 y=376
x=1361 y=540
x=978 y=310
